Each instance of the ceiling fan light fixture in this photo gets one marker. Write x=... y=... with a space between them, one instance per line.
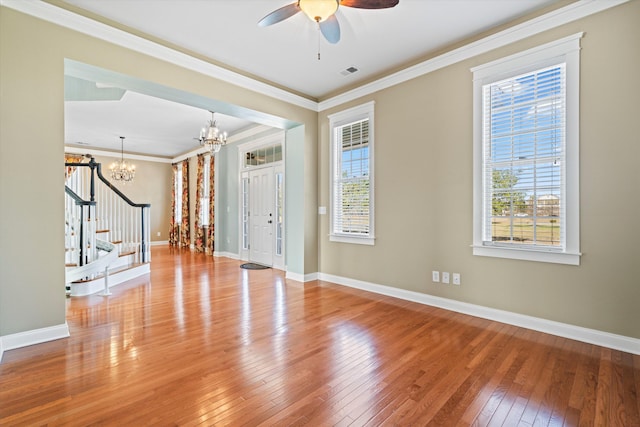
x=318 y=10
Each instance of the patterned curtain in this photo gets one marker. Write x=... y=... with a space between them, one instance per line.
x=173 y=227
x=199 y=244
x=212 y=193
x=71 y=158
x=185 y=235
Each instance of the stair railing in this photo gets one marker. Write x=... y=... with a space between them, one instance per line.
x=80 y=234
x=128 y=222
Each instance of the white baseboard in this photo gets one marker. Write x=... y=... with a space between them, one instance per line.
x=591 y=336
x=226 y=255
x=95 y=286
x=159 y=243
x=301 y=277
x=294 y=276
x=34 y=336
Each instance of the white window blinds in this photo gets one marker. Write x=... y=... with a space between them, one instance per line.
x=351 y=209
x=524 y=139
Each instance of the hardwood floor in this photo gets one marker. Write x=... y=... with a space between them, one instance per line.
x=202 y=342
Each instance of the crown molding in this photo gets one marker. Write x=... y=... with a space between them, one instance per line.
x=254 y=130
x=82 y=24
x=116 y=154
x=553 y=19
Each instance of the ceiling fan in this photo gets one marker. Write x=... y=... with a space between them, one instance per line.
x=323 y=13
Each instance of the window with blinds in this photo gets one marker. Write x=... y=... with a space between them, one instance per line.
x=526 y=202
x=524 y=139
x=352 y=193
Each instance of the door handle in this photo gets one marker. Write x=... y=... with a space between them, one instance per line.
x=270 y=221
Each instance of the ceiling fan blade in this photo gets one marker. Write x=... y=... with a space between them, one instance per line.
x=279 y=15
x=369 y=4
x=330 y=29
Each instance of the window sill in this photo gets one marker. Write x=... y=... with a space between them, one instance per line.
x=528 y=254
x=351 y=239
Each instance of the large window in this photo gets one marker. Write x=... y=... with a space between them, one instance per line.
x=526 y=155
x=352 y=175
x=178 y=191
x=206 y=192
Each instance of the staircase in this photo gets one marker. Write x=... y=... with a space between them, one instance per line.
x=107 y=235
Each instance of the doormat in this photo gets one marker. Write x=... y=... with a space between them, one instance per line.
x=254 y=266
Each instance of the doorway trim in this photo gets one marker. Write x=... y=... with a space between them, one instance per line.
x=277 y=167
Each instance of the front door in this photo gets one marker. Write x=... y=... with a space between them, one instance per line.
x=261 y=216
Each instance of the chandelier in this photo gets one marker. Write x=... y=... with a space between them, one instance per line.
x=121 y=170
x=211 y=137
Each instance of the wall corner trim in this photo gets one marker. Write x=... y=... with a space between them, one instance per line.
x=590 y=336
x=34 y=336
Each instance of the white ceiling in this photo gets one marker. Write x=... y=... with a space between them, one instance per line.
x=151 y=126
x=284 y=54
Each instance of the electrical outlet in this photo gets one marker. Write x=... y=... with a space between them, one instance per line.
x=158 y=234
x=456 y=279
x=445 y=277
x=435 y=276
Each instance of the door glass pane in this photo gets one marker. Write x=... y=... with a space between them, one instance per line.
x=279 y=212
x=269 y=154
x=245 y=213
x=263 y=156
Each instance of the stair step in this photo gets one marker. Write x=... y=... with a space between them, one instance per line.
x=126 y=253
x=102 y=231
x=111 y=272
x=71 y=264
x=116 y=242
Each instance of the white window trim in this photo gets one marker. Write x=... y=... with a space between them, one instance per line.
x=565 y=50
x=364 y=111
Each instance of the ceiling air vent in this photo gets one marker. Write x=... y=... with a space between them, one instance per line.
x=348 y=71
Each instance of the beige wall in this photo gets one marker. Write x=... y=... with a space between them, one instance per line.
x=152 y=185
x=423 y=178
x=32 y=211
x=31 y=180
x=423 y=190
